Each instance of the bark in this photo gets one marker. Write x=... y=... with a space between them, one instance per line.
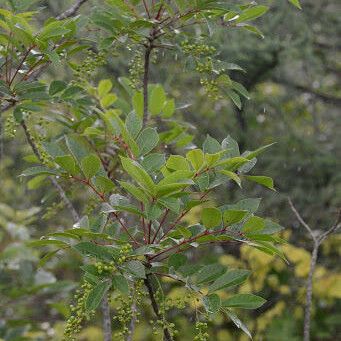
x=166 y=334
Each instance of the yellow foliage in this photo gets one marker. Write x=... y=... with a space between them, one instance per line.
x=264 y=320
x=299 y=257
x=254 y=257
x=224 y=335
x=298 y=312
x=328 y=286
x=284 y=289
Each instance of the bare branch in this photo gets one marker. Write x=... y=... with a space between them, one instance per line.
x=72 y=10
x=106 y=319
x=301 y=220
x=333 y=229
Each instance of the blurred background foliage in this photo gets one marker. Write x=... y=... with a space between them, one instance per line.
x=292 y=75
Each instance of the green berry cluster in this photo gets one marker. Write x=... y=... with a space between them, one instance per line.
x=124 y=252
x=92 y=61
x=10 y=126
x=38 y=140
x=127 y=309
x=105 y=268
x=201 y=329
x=197 y=49
x=136 y=68
x=78 y=313
x=211 y=87
x=204 y=67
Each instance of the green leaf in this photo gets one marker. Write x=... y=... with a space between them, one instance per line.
x=244 y=301
x=104 y=184
x=256 y=152
x=232 y=176
x=241 y=89
x=252 y=13
x=211 y=145
x=96 y=295
x=78 y=147
x=234 y=318
x=177 y=162
x=235 y=98
x=138 y=103
x=249 y=204
x=56 y=87
x=212 y=303
x=91 y=164
x=47 y=242
x=138 y=174
x=168 y=109
x=136 y=268
x=233 y=216
x=196 y=158
x=211 y=217
x=177 y=260
x=209 y=273
x=179 y=176
x=94 y=250
x=296 y=3
x=262 y=180
x=38 y=170
x=231 y=145
x=157 y=100
x=108 y=100
x=147 y=140
x=254 y=224
x=67 y=162
x=120 y=283
x=230 y=279
x=138 y=193
x=153 y=162
x=104 y=87
x=133 y=123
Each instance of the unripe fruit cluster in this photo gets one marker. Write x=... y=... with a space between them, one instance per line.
x=201 y=328
x=105 y=268
x=78 y=313
x=197 y=49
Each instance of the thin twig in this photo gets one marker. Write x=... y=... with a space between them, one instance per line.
x=318 y=239
x=301 y=220
x=72 y=10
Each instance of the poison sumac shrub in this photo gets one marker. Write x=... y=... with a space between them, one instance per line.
x=126 y=145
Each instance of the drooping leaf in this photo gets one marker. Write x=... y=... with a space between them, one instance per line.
x=212 y=303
